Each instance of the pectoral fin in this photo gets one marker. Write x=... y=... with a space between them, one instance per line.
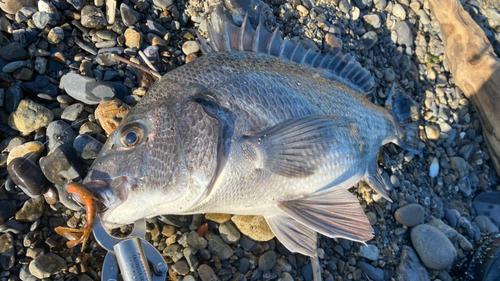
x=376 y=182
x=295 y=236
x=295 y=147
x=333 y=213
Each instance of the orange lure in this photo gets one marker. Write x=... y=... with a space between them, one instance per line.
x=80 y=235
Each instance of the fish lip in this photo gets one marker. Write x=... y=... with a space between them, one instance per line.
x=111 y=193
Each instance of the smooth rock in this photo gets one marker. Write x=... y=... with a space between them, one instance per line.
x=255 y=227
x=13 y=66
x=485 y=224
x=433 y=247
x=87 y=89
x=411 y=268
x=373 y=20
x=128 y=15
x=45 y=6
x=41 y=19
x=13 y=52
x=27 y=176
x=164 y=5
x=190 y=47
x=219 y=248
x=370 y=252
x=31 y=210
x=7 y=251
x=78 y=4
x=374 y=273
x=267 y=260
x=87 y=147
x=369 y=39
x=29 y=117
x=432 y=132
x=13 y=97
x=207 y=273
x=47 y=265
x=410 y=215
x=59 y=133
x=12 y=6
x=93 y=17
x=60 y=165
x=399 y=12
x=389 y=75
x=72 y=112
x=181 y=267
x=56 y=35
x=229 y=233
x=405 y=37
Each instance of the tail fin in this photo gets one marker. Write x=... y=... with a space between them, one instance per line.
x=405 y=112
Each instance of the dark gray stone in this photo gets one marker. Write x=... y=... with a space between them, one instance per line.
x=128 y=16
x=218 y=247
x=375 y=273
x=410 y=215
x=13 y=52
x=267 y=260
x=87 y=147
x=93 y=17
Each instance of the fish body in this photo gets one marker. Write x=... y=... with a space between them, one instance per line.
x=249 y=133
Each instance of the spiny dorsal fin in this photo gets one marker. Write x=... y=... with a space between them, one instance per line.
x=245 y=38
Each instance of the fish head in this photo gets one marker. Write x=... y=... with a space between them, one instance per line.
x=142 y=170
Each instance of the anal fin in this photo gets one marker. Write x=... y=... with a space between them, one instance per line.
x=296 y=237
x=333 y=213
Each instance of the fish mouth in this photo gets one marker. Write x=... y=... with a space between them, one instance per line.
x=110 y=193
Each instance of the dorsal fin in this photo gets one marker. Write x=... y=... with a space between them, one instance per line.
x=245 y=38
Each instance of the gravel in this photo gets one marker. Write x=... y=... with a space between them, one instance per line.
x=60 y=87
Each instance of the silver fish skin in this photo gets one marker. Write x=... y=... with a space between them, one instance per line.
x=252 y=134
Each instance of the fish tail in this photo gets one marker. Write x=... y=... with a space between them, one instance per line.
x=404 y=110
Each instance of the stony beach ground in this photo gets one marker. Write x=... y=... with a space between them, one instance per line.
x=62 y=92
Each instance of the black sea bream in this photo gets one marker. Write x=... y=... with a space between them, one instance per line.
x=256 y=126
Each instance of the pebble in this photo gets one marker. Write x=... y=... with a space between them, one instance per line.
x=267 y=260
x=218 y=218
x=87 y=147
x=133 y=38
x=13 y=52
x=13 y=97
x=255 y=227
x=433 y=247
x=41 y=19
x=389 y=75
x=109 y=114
x=12 y=6
x=87 y=89
x=434 y=168
x=13 y=66
x=7 y=251
x=90 y=129
x=370 y=252
x=32 y=150
x=56 y=35
x=59 y=133
x=410 y=215
x=190 y=47
x=93 y=17
x=56 y=166
x=26 y=175
x=206 y=273
x=47 y=265
x=369 y=39
x=181 y=267
x=374 y=273
x=31 y=210
x=229 y=233
x=399 y=12
x=72 y=112
x=485 y=224
x=219 y=248
x=410 y=267
x=29 y=117
x=128 y=15
x=405 y=37
x=373 y=20
x=78 y=4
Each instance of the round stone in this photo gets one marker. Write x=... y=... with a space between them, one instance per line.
x=31 y=210
x=255 y=227
x=133 y=38
x=267 y=260
x=93 y=17
x=12 y=6
x=32 y=150
x=389 y=75
x=410 y=215
x=47 y=265
x=433 y=247
x=190 y=47
x=432 y=132
x=87 y=89
x=56 y=35
x=30 y=116
x=399 y=12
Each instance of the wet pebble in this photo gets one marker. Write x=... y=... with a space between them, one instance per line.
x=433 y=247
x=27 y=176
x=410 y=215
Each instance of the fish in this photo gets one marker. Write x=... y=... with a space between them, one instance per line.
x=258 y=125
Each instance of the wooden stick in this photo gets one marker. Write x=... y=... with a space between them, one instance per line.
x=138 y=66
x=143 y=56
x=474 y=66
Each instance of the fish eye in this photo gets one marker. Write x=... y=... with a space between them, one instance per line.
x=132 y=136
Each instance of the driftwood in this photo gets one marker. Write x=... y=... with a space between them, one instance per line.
x=475 y=68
